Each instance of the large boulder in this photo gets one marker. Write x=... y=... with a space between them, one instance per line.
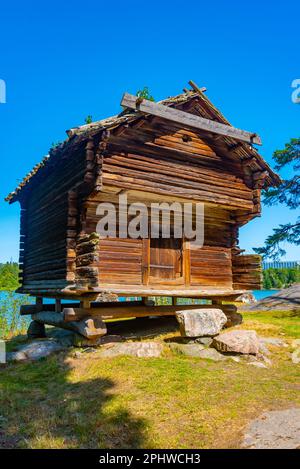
x=276 y=429
x=135 y=349
x=201 y=322
x=239 y=341
x=196 y=350
x=190 y=350
x=212 y=354
x=35 y=350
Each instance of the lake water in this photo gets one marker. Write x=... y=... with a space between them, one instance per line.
x=260 y=294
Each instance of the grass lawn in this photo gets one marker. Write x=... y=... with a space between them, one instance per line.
x=168 y=402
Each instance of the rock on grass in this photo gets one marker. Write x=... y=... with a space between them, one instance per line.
x=239 y=341
x=202 y=322
x=135 y=349
x=35 y=350
x=278 y=429
x=296 y=356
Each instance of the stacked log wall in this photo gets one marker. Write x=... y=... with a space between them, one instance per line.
x=120 y=261
x=170 y=161
x=49 y=226
x=247 y=272
x=87 y=260
x=211 y=267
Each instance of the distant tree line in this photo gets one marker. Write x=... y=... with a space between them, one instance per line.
x=9 y=276
x=280 y=278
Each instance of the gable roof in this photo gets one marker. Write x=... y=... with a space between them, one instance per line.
x=202 y=106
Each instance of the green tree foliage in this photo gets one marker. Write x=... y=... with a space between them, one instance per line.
x=9 y=276
x=287 y=193
x=145 y=94
x=280 y=278
x=88 y=119
x=11 y=323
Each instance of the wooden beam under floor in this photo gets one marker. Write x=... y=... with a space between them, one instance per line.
x=108 y=312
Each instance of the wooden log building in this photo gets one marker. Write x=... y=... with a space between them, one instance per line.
x=181 y=149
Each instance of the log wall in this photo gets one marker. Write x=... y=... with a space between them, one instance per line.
x=120 y=261
x=49 y=226
x=169 y=162
x=247 y=272
x=211 y=267
x=162 y=159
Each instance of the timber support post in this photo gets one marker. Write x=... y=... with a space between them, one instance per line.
x=216 y=303
x=39 y=303
x=89 y=327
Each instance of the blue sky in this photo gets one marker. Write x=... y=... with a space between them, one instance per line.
x=64 y=60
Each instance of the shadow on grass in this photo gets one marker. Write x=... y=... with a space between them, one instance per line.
x=47 y=405
x=143 y=328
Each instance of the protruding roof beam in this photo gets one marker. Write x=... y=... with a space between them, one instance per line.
x=186 y=119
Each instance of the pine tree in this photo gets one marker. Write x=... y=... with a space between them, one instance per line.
x=287 y=193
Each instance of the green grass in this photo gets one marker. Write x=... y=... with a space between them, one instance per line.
x=168 y=402
x=274 y=322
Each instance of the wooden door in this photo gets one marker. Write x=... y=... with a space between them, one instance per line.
x=165 y=261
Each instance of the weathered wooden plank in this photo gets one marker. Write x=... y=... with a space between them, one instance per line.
x=124 y=182
x=205 y=292
x=186 y=119
x=89 y=327
x=138 y=311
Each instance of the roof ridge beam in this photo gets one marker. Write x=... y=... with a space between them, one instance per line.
x=188 y=120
